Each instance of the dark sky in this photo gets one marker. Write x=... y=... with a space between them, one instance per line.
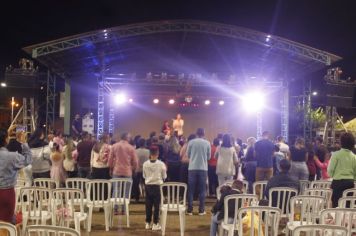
x=327 y=25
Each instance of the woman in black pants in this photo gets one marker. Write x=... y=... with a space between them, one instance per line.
x=342 y=167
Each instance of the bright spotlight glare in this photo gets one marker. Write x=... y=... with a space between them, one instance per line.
x=3 y=84
x=155 y=101
x=315 y=93
x=253 y=102
x=130 y=100
x=171 y=101
x=207 y=102
x=221 y=102
x=120 y=99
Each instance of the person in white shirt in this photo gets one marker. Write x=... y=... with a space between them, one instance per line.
x=178 y=124
x=283 y=147
x=154 y=172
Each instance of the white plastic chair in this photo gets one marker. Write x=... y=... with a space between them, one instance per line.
x=35 y=205
x=262 y=187
x=326 y=193
x=304 y=210
x=120 y=186
x=173 y=201
x=321 y=184
x=347 y=202
x=239 y=201
x=268 y=220
x=98 y=196
x=65 y=211
x=80 y=184
x=10 y=228
x=349 y=192
x=280 y=197
x=341 y=217
x=20 y=182
x=304 y=185
x=245 y=183
x=47 y=183
x=51 y=230
x=320 y=230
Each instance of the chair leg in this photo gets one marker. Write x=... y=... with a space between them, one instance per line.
x=24 y=225
x=221 y=230
x=164 y=221
x=181 y=222
x=90 y=215
x=77 y=224
x=127 y=215
x=107 y=217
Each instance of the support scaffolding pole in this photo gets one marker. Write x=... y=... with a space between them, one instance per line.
x=285 y=113
x=51 y=100
x=100 y=109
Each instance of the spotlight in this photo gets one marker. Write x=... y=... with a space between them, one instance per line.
x=253 y=102
x=120 y=99
x=171 y=101
x=314 y=93
x=3 y=84
x=268 y=37
x=130 y=100
x=221 y=102
x=155 y=101
x=207 y=102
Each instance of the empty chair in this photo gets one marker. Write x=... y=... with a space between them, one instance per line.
x=320 y=230
x=341 y=217
x=304 y=210
x=45 y=183
x=326 y=193
x=349 y=192
x=35 y=205
x=77 y=183
x=238 y=201
x=98 y=196
x=9 y=228
x=65 y=210
x=347 y=202
x=267 y=219
x=304 y=184
x=121 y=196
x=320 y=184
x=51 y=230
x=173 y=199
x=280 y=197
x=259 y=188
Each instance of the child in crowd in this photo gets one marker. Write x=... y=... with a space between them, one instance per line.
x=323 y=165
x=154 y=172
x=57 y=171
x=218 y=208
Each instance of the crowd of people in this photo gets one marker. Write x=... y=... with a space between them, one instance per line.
x=174 y=158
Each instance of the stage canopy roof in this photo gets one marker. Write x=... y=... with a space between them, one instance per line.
x=177 y=47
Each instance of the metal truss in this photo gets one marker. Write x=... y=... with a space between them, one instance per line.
x=329 y=131
x=225 y=30
x=285 y=113
x=307 y=121
x=259 y=125
x=101 y=110
x=51 y=100
x=111 y=119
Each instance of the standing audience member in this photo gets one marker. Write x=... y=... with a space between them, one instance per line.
x=264 y=150
x=173 y=158
x=69 y=163
x=323 y=166
x=199 y=152
x=10 y=163
x=99 y=158
x=299 y=157
x=163 y=148
x=84 y=155
x=342 y=167
x=58 y=138
x=227 y=159
x=277 y=157
x=57 y=172
x=154 y=172
x=311 y=163
x=143 y=154
x=212 y=176
x=41 y=163
x=283 y=147
x=320 y=151
x=250 y=164
x=185 y=160
x=123 y=161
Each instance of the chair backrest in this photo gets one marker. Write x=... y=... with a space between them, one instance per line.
x=227 y=183
x=347 y=202
x=262 y=185
x=306 y=209
x=20 y=182
x=234 y=202
x=340 y=216
x=320 y=184
x=77 y=183
x=280 y=197
x=45 y=183
x=304 y=185
x=349 y=192
x=266 y=218
x=65 y=200
x=245 y=183
x=326 y=193
x=51 y=230
x=98 y=191
x=10 y=228
x=121 y=186
x=320 y=230
x=173 y=195
x=35 y=200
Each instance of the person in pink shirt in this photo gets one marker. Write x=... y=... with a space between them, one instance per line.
x=123 y=160
x=323 y=165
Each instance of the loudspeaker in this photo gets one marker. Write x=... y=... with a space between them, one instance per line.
x=337 y=101
x=340 y=90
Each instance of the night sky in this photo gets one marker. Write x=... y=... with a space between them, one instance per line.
x=326 y=25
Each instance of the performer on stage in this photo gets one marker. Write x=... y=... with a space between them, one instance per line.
x=166 y=129
x=178 y=124
x=76 y=126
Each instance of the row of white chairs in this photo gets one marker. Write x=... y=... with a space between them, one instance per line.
x=40 y=230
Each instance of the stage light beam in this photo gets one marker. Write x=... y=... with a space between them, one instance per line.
x=120 y=99
x=207 y=102
x=253 y=102
x=171 y=101
x=3 y=84
x=315 y=93
x=156 y=101
x=221 y=102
